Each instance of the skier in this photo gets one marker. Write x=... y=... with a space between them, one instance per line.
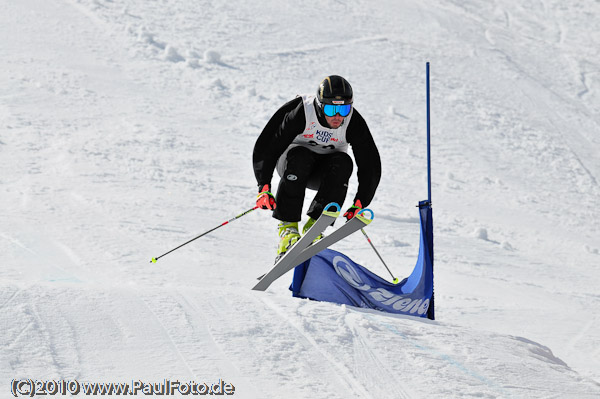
x=306 y=140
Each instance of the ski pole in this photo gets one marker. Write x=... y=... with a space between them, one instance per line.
x=205 y=233
x=395 y=280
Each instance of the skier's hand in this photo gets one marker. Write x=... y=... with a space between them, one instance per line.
x=265 y=199
x=353 y=210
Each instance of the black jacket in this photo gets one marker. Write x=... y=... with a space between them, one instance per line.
x=289 y=121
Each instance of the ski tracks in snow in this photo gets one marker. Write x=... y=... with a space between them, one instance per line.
x=379 y=376
x=199 y=316
x=284 y=358
x=266 y=356
x=342 y=372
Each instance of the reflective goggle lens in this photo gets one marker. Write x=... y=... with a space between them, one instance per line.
x=331 y=110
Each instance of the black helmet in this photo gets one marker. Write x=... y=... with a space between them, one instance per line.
x=333 y=90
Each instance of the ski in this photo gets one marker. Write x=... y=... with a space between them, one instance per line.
x=283 y=264
x=307 y=251
x=353 y=225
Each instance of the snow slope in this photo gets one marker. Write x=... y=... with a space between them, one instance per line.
x=126 y=128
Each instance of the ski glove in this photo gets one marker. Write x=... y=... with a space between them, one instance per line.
x=353 y=210
x=265 y=199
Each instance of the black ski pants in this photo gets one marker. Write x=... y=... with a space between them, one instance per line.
x=326 y=173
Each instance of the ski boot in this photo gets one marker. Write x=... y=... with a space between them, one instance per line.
x=288 y=232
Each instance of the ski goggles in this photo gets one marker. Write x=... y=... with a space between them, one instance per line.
x=332 y=110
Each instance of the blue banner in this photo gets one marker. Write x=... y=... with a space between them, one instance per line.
x=333 y=277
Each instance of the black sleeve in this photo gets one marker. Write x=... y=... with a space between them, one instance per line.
x=366 y=156
x=278 y=134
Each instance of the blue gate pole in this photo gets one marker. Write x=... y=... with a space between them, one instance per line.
x=428 y=137
x=431 y=309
